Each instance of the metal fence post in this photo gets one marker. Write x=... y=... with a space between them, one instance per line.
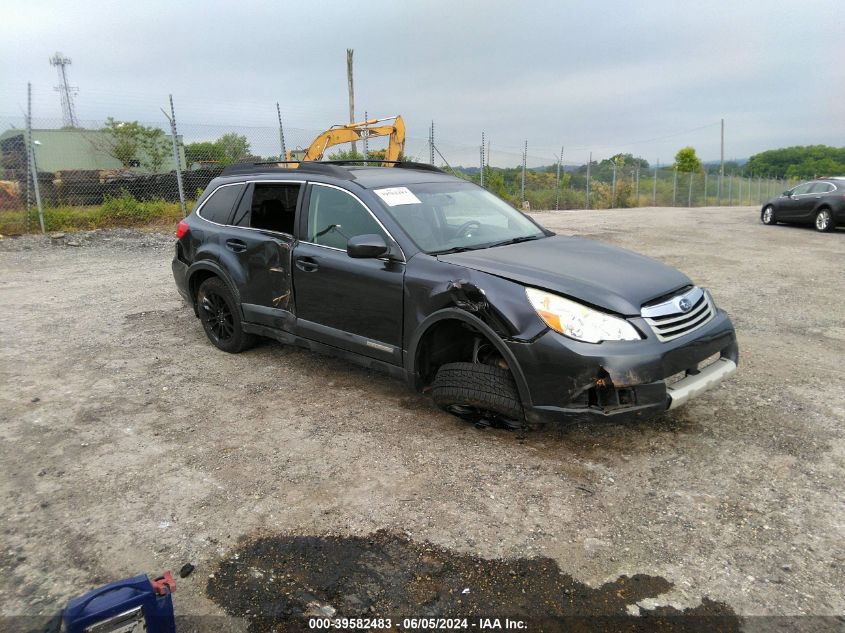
x=613 y=187
x=705 y=188
x=557 y=180
x=675 y=188
x=431 y=143
x=589 y=164
x=730 y=190
x=654 y=189
x=283 y=155
x=638 y=186
x=689 y=200
x=366 y=142
x=524 y=158
x=176 y=161
x=482 y=160
x=31 y=151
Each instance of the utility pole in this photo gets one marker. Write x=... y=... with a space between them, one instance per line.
x=284 y=153
x=349 y=53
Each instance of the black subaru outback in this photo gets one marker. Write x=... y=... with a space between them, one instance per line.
x=437 y=281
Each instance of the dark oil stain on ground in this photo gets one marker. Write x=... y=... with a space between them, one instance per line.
x=278 y=582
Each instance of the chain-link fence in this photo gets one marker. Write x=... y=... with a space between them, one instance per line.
x=120 y=171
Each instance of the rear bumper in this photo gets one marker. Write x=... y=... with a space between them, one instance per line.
x=568 y=380
x=180 y=275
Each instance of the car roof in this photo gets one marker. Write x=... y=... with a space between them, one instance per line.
x=367 y=177
x=373 y=177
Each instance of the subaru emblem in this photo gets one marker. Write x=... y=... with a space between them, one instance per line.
x=684 y=304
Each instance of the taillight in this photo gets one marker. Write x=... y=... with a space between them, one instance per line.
x=182 y=229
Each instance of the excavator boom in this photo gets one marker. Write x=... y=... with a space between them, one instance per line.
x=359 y=132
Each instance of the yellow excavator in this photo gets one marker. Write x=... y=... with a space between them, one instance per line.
x=355 y=132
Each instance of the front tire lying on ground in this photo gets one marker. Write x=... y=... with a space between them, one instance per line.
x=477 y=392
x=221 y=318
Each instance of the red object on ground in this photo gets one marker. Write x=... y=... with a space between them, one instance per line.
x=164 y=584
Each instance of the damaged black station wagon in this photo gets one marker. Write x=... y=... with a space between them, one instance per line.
x=435 y=280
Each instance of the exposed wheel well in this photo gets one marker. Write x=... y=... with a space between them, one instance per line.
x=453 y=341
x=196 y=281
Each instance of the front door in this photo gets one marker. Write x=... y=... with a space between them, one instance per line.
x=353 y=304
x=791 y=208
x=261 y=240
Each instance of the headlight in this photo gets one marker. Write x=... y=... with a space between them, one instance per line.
x=577 y=321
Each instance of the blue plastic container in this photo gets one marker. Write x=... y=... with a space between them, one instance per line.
x=127 y=606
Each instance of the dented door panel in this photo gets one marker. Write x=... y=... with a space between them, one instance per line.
x=266 y=287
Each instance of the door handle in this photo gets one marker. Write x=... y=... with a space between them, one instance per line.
x=306 y=264
x=236 y=245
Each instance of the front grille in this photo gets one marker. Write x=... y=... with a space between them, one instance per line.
x=669 y=321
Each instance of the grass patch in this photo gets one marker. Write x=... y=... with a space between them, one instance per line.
x=121 y=211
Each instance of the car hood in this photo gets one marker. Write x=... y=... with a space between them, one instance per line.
x=599 y=274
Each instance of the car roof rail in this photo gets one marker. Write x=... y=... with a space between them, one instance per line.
x=288 y=166
x=402 y=164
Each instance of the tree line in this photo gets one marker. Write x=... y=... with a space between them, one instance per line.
x=135 y=145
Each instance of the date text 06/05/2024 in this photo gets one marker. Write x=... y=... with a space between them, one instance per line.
x=417 y=623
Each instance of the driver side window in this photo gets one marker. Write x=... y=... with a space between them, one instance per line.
x=802 y=189
x=334 y=217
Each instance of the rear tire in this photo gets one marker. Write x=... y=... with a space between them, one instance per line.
x=475 y=391
x=768 y=215
x=221 y=318
x=824 y=221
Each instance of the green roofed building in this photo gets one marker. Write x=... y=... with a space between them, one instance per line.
x=72 y=149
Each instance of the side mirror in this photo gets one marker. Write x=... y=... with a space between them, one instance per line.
x=367 y=247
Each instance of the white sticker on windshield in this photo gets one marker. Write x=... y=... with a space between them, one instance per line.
x=394 y=196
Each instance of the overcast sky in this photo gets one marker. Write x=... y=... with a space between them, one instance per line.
x=644 y=77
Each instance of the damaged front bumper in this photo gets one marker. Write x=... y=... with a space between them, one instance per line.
x=569 y=380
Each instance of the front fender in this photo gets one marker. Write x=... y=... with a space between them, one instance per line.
x=412 y=357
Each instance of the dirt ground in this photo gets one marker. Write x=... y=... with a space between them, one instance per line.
x=131 y=445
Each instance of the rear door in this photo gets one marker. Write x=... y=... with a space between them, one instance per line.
x=817 y=192
x=354 y=304
x=260 y=244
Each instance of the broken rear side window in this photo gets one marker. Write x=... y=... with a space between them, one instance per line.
x=271 y=207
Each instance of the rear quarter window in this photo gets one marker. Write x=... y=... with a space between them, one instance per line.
x=218 y=208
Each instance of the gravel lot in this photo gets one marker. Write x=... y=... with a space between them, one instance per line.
x=131 y=445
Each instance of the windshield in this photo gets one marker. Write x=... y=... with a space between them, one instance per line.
x=452 y=216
